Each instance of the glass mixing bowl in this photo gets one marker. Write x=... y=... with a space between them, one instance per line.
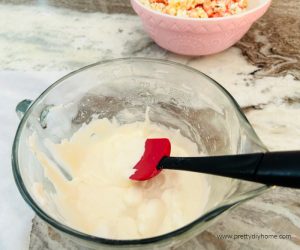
x=178 y=97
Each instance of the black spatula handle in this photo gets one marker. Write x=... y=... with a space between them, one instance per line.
x=280 y=168
x=271 y=168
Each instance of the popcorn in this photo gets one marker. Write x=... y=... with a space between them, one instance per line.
x=197 y=8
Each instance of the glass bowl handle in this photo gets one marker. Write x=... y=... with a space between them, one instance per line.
x=22 y=107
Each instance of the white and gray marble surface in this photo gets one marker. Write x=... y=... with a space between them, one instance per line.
x=43 y=40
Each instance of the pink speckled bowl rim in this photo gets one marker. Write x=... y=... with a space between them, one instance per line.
x=206 y=19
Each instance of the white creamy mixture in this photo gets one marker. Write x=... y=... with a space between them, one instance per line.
x=101 y=200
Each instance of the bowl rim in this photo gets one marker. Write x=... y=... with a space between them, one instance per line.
x=205 y=19
x=212 y=213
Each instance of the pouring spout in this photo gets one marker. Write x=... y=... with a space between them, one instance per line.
x=22 y=107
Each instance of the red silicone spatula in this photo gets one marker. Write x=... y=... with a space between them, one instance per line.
x=155 y=151
x=270 y=168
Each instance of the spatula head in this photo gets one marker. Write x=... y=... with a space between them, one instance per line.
x=155 y=150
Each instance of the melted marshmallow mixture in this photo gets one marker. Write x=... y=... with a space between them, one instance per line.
x=100 y=199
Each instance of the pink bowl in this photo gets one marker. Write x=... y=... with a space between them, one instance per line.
x=194 y=36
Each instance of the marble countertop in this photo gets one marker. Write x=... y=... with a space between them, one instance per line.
x=43 y=40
